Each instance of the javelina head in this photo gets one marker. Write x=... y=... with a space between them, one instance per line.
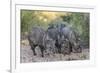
x=49 y=45
x=65 y=47
x=77 y=48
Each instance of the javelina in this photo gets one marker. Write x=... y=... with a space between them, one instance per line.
x=49 y=44
x=73 y=38
x=38 y=37
x=55 y=35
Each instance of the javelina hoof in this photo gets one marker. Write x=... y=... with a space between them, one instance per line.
x=42 y=55
x=35 y=54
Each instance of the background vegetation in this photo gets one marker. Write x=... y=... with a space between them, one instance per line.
x=79 y=22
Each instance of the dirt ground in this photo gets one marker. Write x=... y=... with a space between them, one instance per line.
x=26 y=55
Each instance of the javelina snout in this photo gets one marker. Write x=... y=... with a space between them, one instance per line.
x=77 y=48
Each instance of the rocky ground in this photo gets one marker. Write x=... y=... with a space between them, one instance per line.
x=26 y=55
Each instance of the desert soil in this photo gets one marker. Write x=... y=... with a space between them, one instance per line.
x=26 y=56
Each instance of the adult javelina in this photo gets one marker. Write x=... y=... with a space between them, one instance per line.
x=38 y=37
x=73 y=38
x=64 y=42
x=49 y=44
x=54 y=34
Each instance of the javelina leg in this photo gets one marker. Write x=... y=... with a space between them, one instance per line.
x=79 y=50
x=69 y=49
x=33 y=49
x=42 y=50
x=59 y=49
